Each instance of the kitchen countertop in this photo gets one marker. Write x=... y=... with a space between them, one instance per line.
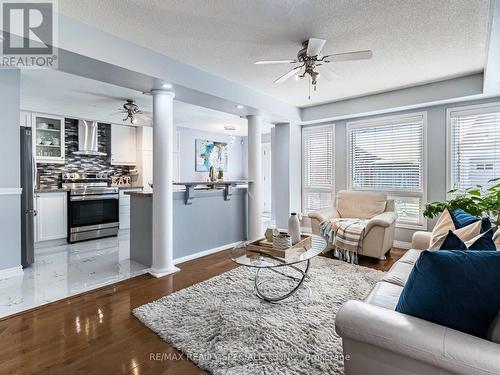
x=51 y=190
x=144 y=193
x=62 y=190
x=149 y=192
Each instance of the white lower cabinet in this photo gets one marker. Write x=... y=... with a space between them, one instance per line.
x=125 y=208
x=51 y=221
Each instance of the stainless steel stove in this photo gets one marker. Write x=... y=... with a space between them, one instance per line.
x=93 y=206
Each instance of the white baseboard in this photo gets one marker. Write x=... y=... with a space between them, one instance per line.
x=11 y=272
x=402 y=245
x=205 y=252
x=11 y=191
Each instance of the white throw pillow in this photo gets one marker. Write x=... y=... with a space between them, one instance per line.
x=496 y=239
x=445 y=224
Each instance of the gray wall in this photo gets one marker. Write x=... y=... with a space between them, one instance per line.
x=208 y=223
x=436 y=154
x=10 y=205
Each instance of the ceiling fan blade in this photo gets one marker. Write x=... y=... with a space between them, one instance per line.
x=358 y=55
x=266 y=62
x=285 y=76
x=314 y=46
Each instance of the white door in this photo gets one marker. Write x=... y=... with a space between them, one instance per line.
x=266 y=177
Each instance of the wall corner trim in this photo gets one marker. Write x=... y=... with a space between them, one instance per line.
x=11 y=272
x=11 y=191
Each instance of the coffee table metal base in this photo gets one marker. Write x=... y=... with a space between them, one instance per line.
x=299 y=280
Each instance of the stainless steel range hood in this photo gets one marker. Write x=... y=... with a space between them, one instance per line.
x=88 y=133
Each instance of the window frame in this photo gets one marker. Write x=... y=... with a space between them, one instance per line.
x=303 y=182
x=388 y=120
x=449 y=111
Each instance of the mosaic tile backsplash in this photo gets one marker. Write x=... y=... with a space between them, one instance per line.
x=50 y=175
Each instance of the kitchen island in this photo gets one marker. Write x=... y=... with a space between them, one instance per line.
x=214 y=217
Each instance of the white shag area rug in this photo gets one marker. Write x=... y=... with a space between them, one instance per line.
x=223 y=327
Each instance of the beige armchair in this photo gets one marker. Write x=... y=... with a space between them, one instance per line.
x=374 y=206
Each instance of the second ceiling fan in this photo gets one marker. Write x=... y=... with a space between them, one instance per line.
x=310 y=58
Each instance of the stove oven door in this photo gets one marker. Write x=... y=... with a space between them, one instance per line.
x=92 y=216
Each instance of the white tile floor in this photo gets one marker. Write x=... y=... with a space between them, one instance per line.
x=65 y=270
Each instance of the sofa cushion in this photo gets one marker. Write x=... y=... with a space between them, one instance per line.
x=360 y=204
x=410 y=256
x=384 y=295
x=456 y=289
x=484 y=241
x=445 y=224
x=398 y=274
x=494 y=330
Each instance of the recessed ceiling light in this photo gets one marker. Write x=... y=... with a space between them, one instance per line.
x=239 y=106
x=167 y=86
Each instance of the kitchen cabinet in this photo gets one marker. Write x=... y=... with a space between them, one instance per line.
x=51 y=221
x=48 y=138
x=123 y=145
x=125 y=207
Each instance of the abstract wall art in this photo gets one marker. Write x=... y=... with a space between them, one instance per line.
x=211 y=153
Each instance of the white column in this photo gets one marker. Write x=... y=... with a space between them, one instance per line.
x=254 y=175
x=163 y=147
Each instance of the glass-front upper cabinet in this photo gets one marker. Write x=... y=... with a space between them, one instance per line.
x=48 y=138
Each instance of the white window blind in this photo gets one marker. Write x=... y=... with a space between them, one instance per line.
x=474 y=156
x=388 y=155
x=318 y=171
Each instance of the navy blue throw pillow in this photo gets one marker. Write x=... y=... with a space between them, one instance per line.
x=453 y=242
x=462 y=218
x=456 y=289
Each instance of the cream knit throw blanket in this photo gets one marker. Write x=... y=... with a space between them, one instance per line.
x=346 y=236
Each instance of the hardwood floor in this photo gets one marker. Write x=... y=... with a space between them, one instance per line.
x=95 y=333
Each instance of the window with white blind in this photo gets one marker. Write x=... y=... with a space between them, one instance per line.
x=474 y=145
x=388 y=154
x=317 y=168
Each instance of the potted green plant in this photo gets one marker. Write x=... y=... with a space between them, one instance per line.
x=478 y=201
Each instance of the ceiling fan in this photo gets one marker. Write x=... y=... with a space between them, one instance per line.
x=310 y=59
x=132 y=111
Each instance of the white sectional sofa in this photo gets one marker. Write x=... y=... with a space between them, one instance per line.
x=378 y=340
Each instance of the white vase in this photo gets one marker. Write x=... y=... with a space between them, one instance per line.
x=294 y=228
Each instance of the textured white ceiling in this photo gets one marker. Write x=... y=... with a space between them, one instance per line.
x=61 y=93
x=413 y=41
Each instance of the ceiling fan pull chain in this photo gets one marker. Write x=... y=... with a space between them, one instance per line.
x=309 y=87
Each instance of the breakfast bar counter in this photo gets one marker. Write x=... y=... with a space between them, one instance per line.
x=209 y=222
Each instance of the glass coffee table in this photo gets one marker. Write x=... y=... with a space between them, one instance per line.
x=292 y=272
